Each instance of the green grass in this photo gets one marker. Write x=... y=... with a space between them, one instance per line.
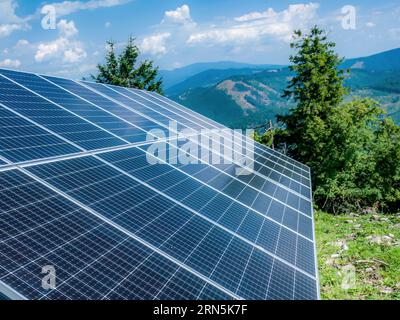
x=349 y=242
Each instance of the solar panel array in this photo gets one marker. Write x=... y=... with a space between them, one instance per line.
x=78 y=193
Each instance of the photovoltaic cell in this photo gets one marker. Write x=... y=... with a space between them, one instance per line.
x=118 y=225
x=52 y=117
x=21 y=140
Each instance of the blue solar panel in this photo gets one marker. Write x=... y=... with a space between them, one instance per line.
x=53 y=117
x=85 y=199
x=20 y=140
x=282 y=159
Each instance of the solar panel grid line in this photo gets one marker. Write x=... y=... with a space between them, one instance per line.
x=184 y=110
x=233 y=199
x=178 y=202
x=258 y=146
x=315 y=254
x=47 y=253
x=35 y=107
x=252 y=250
x=285 y=272
x=233 y=233
x=133 y=236
x=249 y=208
x=87 y=266
x=61 y=107
x=209 y=220
x=313 y=227
x=105 y=110
x=202 y=182
x=28 y=142
x=10 y=292
x=44 y=128
x=127 y=276
x=113 y=88
x=273 y=181
x=128 y=97
x=48 y=222
x=28 y=163
x=275 y=163
x=216 y=124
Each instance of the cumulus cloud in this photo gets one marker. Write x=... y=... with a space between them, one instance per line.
x=155 y=44
x=68 y=7
x=74 y=54
x=67 y=29
x=180 y=16
x=8 y=63
x=22 y=43
x=257 y=25
x=10 y=22
x=64 y=47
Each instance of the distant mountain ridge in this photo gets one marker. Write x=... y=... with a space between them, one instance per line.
x=387 y=60
x=248 y=97
x=173 y=77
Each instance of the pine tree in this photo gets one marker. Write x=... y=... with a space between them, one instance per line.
x=125 y=71
x=317 y=88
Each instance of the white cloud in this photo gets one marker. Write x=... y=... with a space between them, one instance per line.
x=7 y=29
x=10 y=22
x=180 y=16
x=68 y=7
x=155 y=44
x=64 y=48
x=107 y=24
x=8 y=63
x=257 y=25
x=22 y=43
x=66 y=28
x=370 y=24
x=74 y=55
x=269 y=13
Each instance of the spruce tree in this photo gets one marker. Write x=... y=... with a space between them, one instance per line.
x=125 y=71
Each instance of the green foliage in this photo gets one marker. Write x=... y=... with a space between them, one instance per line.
x=352 y=149
x=266 y=138
x=122 y=70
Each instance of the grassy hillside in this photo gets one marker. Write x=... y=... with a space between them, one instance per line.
x=369 y=244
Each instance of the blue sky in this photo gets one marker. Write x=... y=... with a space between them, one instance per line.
x=176 y=33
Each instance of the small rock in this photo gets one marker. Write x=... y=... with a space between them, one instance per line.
x=357 y=226
x=369 y=270
x=386 y=290
x=376 y=217
x=349 y=221
x=391 y=235
x=345 y=247
x=369 y=210
x=386 y=240
x=330 y=262
x=335 y=256
x=396 y=226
